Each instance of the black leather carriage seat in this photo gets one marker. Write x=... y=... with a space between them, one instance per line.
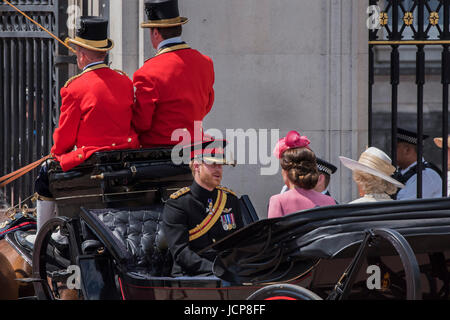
x=134 y=237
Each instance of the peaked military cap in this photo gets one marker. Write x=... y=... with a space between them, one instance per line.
x=325 y=167
x=410 y=137
x=162 y=14
x=92 y=34
x=209 y=150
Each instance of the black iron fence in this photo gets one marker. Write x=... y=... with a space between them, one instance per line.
x=417 y=23
x=33 y=69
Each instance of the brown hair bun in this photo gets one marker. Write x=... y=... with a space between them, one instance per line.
x=301 y=167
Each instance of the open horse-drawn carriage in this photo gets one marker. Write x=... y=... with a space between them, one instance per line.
x=110 y=210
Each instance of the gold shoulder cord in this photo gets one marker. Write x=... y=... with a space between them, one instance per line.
x=227 y=190
x=211 y=219
x=179 y=193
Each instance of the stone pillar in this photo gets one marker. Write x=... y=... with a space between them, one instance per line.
x=124 y=30
x=347 y=81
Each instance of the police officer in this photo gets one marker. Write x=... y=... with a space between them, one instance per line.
x=197 y=216
x=175 y=88
x=407 y=169
x=96 y=110
x=326 y=169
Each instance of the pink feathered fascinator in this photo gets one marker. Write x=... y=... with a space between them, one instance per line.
x=292 y=140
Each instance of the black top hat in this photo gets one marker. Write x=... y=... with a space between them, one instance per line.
x=325 y=167
x=162 y=14
x=92 y=34
x=407 y=136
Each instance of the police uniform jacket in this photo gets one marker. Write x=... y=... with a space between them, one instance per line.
x=96 y=114
x=431 y=183
x=173 y=89
x=184 y=213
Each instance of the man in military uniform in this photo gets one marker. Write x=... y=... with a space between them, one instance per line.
x=175 y=88
x=96 y=110
x=197 y=216
x=407 y=169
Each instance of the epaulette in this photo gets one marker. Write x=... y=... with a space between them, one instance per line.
x=227 y=190
x=121 y=72
x=71 y=79
x=180 y=192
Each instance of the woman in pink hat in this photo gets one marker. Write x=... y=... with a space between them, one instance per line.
x=300 y=174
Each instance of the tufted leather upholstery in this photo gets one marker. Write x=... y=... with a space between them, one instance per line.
x=138 y=231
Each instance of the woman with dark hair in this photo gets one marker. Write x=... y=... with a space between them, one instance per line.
x=300 y=174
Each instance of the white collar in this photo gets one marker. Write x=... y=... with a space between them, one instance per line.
x=169 y=41
x=93 y=64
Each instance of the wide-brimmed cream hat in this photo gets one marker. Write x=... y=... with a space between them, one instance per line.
x=375 y=162
x=439 y=141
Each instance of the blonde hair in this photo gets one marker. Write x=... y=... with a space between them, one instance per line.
x=373 y=184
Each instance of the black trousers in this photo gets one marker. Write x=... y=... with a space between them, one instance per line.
x=41 y=185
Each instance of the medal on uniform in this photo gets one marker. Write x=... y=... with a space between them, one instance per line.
x=210 y=210
x=230 y=225
x=224 y=222
x=228 y=222
x=233 y=221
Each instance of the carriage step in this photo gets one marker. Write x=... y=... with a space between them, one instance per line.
x=30 y=280
x=32 y=298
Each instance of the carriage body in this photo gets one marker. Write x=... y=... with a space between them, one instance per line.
x=111 y=210
x=113 y=206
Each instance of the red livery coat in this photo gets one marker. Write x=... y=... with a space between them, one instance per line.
x=173 y=90
x=96 y=115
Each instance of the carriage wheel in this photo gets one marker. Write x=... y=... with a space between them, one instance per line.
x=409 y=261
x=403 y=249
x=284 y=292
x=51 y=264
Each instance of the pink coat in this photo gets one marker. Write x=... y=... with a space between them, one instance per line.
x=296 y=200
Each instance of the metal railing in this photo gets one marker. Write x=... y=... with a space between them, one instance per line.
x=418 y=23
x=33 y=70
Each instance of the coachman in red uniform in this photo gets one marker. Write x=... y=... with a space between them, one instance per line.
x=96 y=110
x=174 y=88
x=97 y=104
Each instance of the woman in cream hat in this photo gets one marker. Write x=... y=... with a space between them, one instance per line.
x=439 y=142
x=372 y=172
